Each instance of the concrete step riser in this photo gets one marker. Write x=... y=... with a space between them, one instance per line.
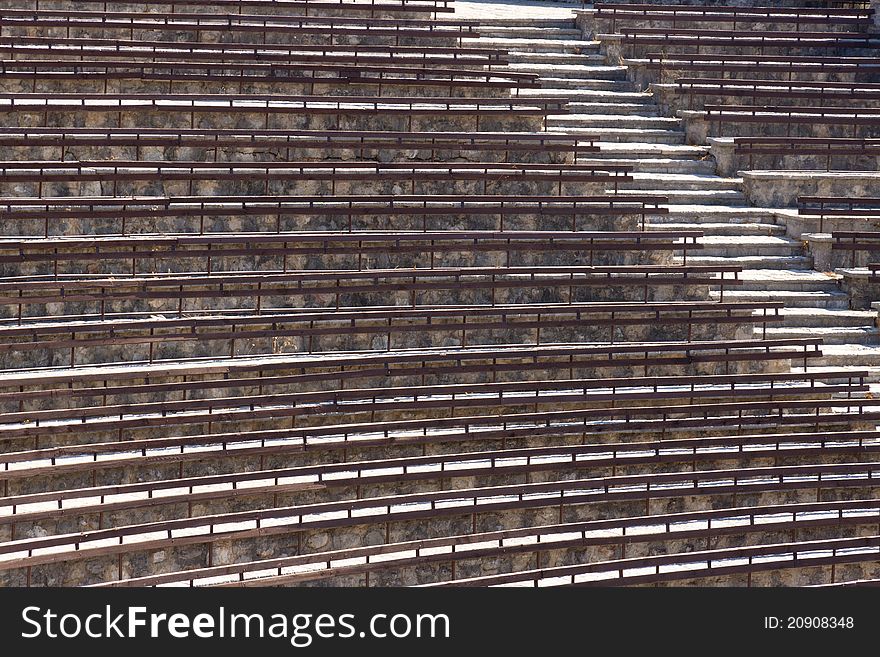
x=611 y=102
x=872 y=377
x=648 y=166
x=554 y=58
x=561 y=33
x=739 y=230
x=824 y=322
x=671 y=137
x=577 y=88
x=673 y=218
x=714 y=215
x=807 y=301
x=759 y=262
x=786 y=286
x=624 y=109
x=627 y=122
x=597 y=91
x=844 y=336
x=675 y=197
x=565 y=23
x=545 y=46
x=730 y=188
x=864 y=360
x=749 y=250
x=579 y=73
x=511 y=44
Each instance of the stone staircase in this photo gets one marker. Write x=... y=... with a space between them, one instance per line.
x=633 y=132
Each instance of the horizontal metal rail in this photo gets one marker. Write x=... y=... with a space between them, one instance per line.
x=144 y=494
x=259 y=285
x=707 y=563
x=423 y=398
x=660 y=527
x=336 y=366
x=437 y=504
x=193 y=51
x=232 y=6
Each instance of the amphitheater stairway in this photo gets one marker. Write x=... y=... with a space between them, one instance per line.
x=633 y=132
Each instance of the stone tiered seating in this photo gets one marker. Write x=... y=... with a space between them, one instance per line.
x=126 y=29
x=694 y=93
x=744 y=17
x=188 y=177
x=262 y=111
x=72 y=215
x=664 y=68
x=224 y=144
x=367 y=8
x=801 y=153
x=314 y=79
x=793 y=120
x=253 y=335
x=370 y=561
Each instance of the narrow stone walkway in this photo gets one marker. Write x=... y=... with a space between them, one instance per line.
x=633 y=132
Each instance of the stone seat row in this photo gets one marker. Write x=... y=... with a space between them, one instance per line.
x=720 y=120
x=70 y=178
x=180 y=294
x=267 y=111
x=662 y=68
x=64 y=388
x=745 y=564
x=225 y=144
x=743 y=16
x=694 y=93
x=370 y=565
x=448 y=400
x=150 y=51
x=805 y=153
x=125 y=215
x=46 y=75
x=117 y=547
x=241 y=332
x=637 y=42
x=373 y=8
x=72 y=29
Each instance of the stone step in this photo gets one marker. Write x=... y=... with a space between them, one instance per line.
x=488 y=31
x=568 y=23
x=638 y=150
x=813 y=300
x=599 y=91
x=579 y=71
x=650 y=165
x=521 y=56
x=513 y=44
x=684 y=196
x=642 y=109
x=681 y=182
x=625 y=134
x=510 y=21
x=873 y=373
x=830 y=335
x=828 y=318
x=630 y=121
x=574 y=88
x=700 y=213
x=724 y=229
x=754 y=262
x=854 y=355
x=735 y=246
x=775 y=281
